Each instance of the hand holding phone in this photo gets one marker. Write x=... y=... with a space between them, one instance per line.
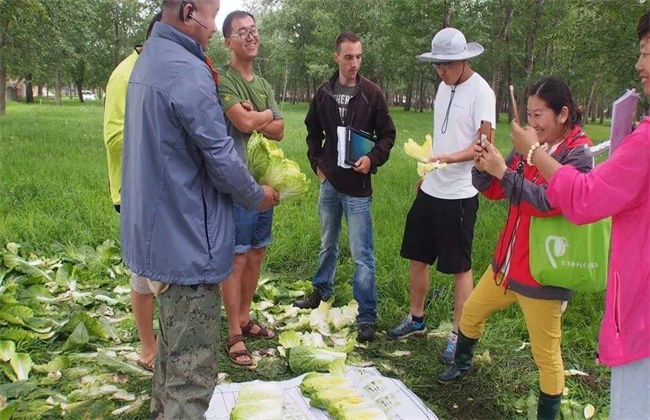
x=485 y=133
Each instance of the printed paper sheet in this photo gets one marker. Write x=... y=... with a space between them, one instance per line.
x=390 y=395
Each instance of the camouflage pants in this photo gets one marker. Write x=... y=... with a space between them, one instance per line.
x=185 y=373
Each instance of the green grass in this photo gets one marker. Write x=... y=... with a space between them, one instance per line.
x=54 y=188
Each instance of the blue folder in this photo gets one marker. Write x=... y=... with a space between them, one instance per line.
x=359 y=143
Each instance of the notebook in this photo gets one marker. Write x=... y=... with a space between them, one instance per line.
x=358 y=144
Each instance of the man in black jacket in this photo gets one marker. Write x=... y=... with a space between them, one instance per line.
x=347 y=100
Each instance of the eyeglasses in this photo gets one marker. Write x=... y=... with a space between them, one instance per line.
x=244 y=34
x=442 y=66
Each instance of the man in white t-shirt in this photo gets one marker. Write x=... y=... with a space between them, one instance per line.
x=440 y=224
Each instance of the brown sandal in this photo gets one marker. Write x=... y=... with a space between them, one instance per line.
x=262 y=333
x=233 y=355
x=147 y=365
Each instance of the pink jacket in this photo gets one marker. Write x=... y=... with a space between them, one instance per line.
x=618 y=187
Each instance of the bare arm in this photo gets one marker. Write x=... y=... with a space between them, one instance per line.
x=464 y=155
x=274 y=130
x=246 y=120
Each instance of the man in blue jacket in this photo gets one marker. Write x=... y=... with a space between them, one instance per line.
x=181 y=174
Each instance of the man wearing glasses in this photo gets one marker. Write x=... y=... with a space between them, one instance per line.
x=249 y=105
x=440 y=224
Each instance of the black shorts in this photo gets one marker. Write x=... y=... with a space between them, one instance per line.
x=443 y=230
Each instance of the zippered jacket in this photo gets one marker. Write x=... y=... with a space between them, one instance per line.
x=367 y=111
x=115 y=102
x=180 y=169
x=527 y=196
x=619 y=187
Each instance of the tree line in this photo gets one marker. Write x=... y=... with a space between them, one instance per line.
x=590 y=43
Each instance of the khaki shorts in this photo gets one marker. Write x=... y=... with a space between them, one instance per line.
x=145 y=286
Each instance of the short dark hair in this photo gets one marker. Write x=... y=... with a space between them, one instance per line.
x=556 y=93
x=643 y=28
x=156 y=18
x=345 y=36
x=226 y=29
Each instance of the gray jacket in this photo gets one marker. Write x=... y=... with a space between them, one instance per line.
x=180 y=170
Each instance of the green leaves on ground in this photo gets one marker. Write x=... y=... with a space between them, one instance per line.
x=55 y=309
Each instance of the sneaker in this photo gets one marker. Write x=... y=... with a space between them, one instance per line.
x=366 y=332
x=309 y=302
x=448 y=355
x=408 y=328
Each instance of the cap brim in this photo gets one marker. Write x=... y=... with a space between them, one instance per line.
x=473 y=50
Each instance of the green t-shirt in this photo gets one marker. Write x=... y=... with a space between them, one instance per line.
x=235 y=89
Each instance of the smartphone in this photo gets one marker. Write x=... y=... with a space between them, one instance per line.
x=485 y=133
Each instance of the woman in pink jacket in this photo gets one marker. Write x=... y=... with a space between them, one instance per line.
x=620 y=188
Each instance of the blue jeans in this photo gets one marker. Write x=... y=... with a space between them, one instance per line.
x=332 y=206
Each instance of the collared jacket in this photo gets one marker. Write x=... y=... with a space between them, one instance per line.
x=619 y=187
x=367 y=111
x=180 y=169
x=527 y=195
x=114 y=121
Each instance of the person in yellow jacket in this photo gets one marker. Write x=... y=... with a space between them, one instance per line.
x=114 y=108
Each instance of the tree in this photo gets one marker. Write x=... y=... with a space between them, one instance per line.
x=18 y=20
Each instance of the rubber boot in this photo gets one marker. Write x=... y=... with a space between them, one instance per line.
x=462 y=360
x=548 y=406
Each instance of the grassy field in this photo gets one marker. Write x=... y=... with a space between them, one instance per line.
x=54 y=189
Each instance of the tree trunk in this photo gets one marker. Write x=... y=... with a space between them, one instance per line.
x=3 y=87
x=57 y=87
x=502 y=39
x=286 y=80
x=81 y=70
x=446 y=16
x=409 y=96
x=29 y=91
x=509 y=78
x=116 y=41
x=421 y=93
x=590 y=105
x=530 y=51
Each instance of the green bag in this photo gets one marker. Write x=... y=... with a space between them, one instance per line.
x=569 y=256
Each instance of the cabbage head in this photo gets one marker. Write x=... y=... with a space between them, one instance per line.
x=310 y=359
x=327 y=397
x=421 y=153
x=260 y=409
x=258 y=155
x=284 y=176
x=259 y=390
x=314 y=382
x=425 y=168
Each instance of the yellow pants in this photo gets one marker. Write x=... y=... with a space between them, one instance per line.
x=543 y=319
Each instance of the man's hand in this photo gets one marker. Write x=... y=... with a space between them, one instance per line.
x=320 y=174
x=271 y=198
x=247 y=106
x=441 y=159
x=418 y=184
x=362 y=165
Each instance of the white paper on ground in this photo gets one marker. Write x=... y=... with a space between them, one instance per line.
x=390 y=395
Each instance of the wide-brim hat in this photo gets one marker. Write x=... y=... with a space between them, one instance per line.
x=450 y=44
